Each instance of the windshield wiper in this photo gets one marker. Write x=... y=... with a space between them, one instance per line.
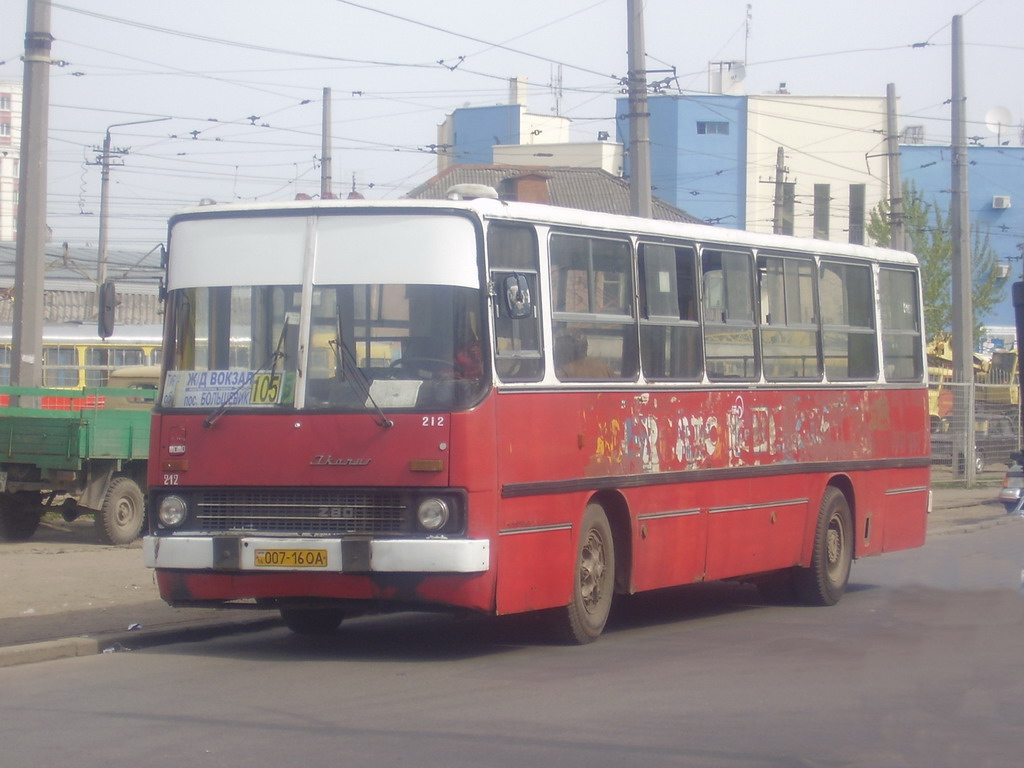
x=346 y=362
x=271 y=363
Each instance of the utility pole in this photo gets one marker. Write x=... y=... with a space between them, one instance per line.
x=960 y=230
x=325 y=149
x=639 y=117
x=780 y=187
x=30 y=248
x=897 y=236
x=104 y=161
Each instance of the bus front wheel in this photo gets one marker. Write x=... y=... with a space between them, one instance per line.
x=824 y=582
x=583 y=620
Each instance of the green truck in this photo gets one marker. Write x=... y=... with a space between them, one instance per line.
x=76 y=452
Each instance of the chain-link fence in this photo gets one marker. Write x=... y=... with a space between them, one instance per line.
x=966 y=450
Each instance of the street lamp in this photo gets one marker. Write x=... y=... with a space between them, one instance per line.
x=101 y=267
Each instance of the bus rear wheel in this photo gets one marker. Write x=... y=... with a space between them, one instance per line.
x=123 y=513
x=824 y=582
x=583 y=620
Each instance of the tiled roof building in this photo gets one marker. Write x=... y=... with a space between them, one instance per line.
x=590 y=189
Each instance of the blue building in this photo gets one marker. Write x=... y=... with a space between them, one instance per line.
x=717 y=156
x=995 y=199
x=698 y=154
x=468 y=135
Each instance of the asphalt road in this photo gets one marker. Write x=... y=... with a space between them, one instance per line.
x=918 y=665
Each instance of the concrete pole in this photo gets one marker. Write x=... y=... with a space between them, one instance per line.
x=960 y=234
x=897 y=234
x=780 y=188
x=30 y=248
x=101 y=261
x=325 y=148
x=639 y=117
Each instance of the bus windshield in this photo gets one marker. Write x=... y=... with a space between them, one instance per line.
x=362 y=327
x=394 y=346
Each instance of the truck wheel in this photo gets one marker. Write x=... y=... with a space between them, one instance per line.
x=123 y=512
x=18 y=521
x=825 y=581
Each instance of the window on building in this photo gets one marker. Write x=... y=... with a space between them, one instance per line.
x=858 y=194
x=5 y=129
x=822 y=210
x=712 y=126
x=5 y=103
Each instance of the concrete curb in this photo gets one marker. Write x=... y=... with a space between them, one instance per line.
x=976 y=526
x=118 y=642
x=48 y=650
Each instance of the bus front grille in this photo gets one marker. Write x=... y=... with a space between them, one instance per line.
x=302 y=511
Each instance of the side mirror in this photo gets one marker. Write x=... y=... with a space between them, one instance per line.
x=517 y=297
x=105 y=313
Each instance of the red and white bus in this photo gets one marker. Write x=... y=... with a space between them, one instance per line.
x=507 y=407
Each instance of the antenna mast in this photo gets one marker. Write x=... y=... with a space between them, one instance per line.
x=557 y=88
x=746 y=32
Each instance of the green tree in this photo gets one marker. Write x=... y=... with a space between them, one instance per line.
x=927 y=229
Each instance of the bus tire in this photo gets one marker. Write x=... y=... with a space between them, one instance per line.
x=120 y=519
x=312 y=621
x=18 y=520
x=824 y=582
x=583 y=620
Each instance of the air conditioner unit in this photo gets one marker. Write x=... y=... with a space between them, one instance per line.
x=1001 y=201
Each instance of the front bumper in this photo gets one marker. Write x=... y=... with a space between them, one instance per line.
x=239 y=553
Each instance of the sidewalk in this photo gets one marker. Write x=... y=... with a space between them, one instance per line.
x=65 y=595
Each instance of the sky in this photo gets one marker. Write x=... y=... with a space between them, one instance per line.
x=241 y=83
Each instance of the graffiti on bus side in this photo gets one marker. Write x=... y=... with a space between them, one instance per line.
x=651 y=436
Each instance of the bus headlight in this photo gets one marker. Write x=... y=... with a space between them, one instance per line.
x=173 y=511
x=433 y=514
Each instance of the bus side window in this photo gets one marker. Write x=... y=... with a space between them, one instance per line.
x=670 y=345
x=518 y=354
x=5 y=364
x=729 y=315
x=901 y=331
x=592 y=300
x=847 y=312
x=789 y=326
x=61 y=366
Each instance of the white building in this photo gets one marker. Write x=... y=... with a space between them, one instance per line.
x=10 y=149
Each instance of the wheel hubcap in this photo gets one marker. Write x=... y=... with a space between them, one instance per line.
x=125 y=512
x=592 y=568
x=834 y=546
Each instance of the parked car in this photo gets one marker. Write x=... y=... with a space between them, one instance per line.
x=995 y=438
x=1012 y=491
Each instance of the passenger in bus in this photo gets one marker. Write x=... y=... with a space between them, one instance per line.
x=469 y=361
x=572 y=361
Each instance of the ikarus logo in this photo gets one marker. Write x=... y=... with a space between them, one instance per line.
x=326 y=460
